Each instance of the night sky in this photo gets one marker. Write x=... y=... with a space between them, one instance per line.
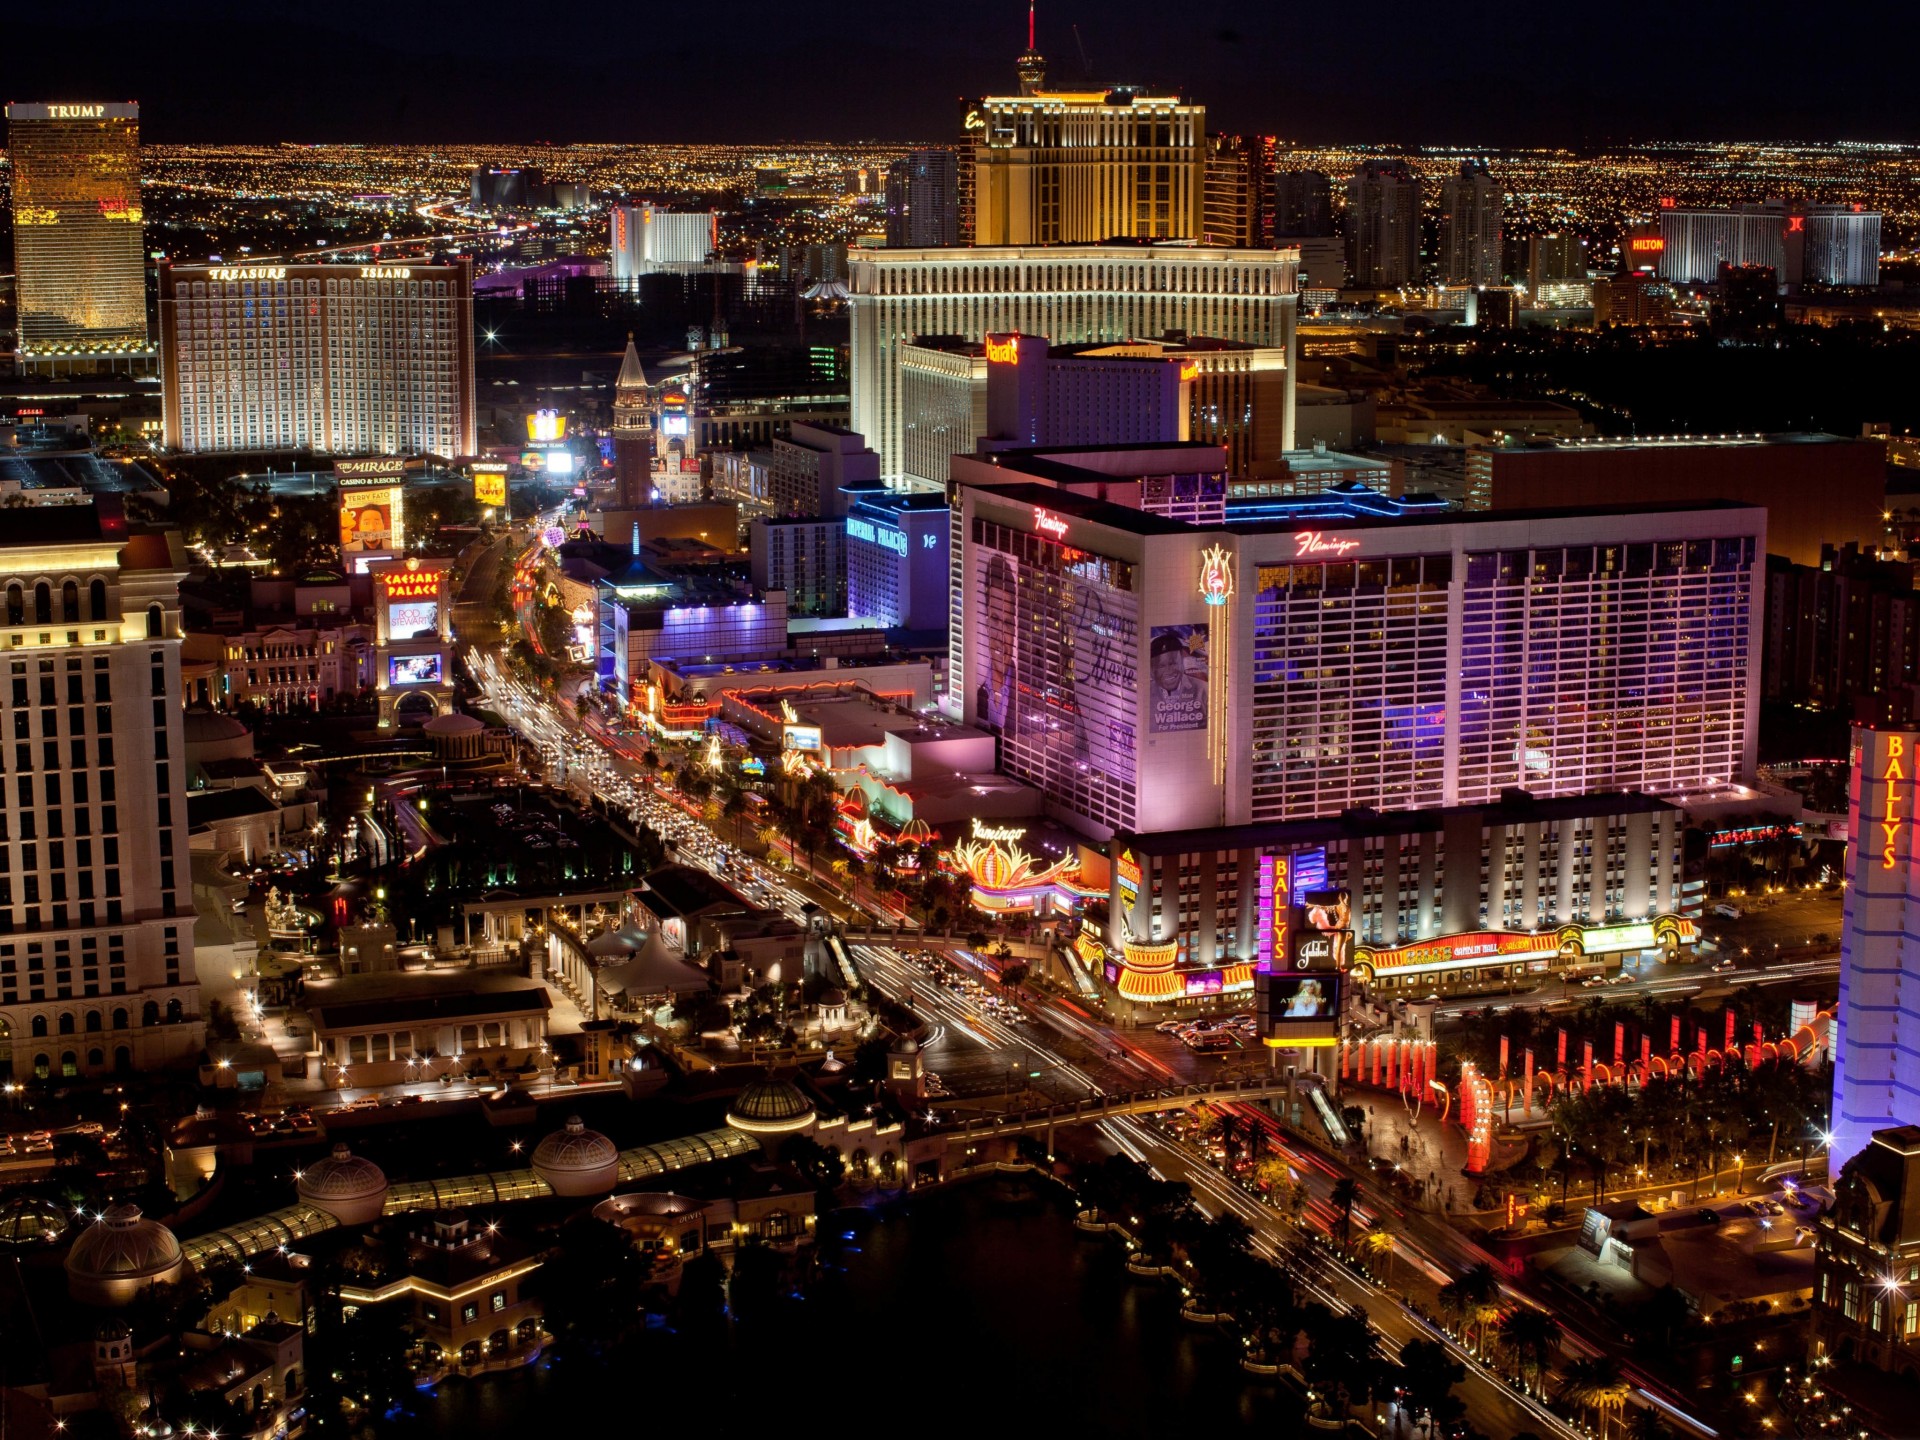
x=753 y=70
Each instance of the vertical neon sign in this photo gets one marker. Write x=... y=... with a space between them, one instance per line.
x=1890 y=817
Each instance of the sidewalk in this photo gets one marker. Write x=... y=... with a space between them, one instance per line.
x=1432 y=1154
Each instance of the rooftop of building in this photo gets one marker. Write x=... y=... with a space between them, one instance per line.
x=210 y=807
x=894 y=501
x=851 y=717
x=685 y=891
x=1114 y=249
x=36 y=525
x=354 y=1001
x=1605 y=443
x=1515 y=807
x=1139 y=522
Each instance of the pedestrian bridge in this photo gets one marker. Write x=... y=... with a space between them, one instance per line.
x=1094 y=1108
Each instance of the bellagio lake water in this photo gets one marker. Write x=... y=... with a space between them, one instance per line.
x=973 y=1308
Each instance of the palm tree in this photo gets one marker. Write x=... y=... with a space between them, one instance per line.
x=1376 y=1241
x=1474 y=1298
x=1346 y=1192
x=1596 y=1385
x=1533 y=1338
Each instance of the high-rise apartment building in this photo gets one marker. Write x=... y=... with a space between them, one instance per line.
x=342 y=359
x=80 y=265
x=1470 y=215
x=1383 y=225
x=923 y=199
x=1070 y=294
x=1238 y=179
x=1075 y=167
x=1302 y=204
x=96 y=909
x=1556 y=263
x=647 y=240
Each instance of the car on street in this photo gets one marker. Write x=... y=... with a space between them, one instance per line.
x=1709 y=1215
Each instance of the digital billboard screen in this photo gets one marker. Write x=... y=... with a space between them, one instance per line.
x=413 y=670
x=1305 y=997
x=411 y=618
x=490 y=486
x=802 y=737
x=366 y=522
x=673 y=424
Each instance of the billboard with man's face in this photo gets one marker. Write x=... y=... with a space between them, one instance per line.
x=1055 y=660
x=1177 y=678
x=366 y=522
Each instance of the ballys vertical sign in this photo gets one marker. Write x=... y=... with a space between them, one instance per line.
x=1895 y=769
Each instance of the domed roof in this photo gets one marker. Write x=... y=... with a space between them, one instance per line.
x=574 y=1147
x=124 y=1245
x=209 y=727
x=453 y=723
x=31 y=1220
x=341 y=1176
x=833 y=998
x=770 y=1105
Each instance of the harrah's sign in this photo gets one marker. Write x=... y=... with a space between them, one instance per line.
x=1314 y=542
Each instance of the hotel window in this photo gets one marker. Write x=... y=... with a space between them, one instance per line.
x=1910 y=1321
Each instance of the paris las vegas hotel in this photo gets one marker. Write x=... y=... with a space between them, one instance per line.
x=1490 y=728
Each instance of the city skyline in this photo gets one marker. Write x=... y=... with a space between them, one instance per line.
x=544 y=86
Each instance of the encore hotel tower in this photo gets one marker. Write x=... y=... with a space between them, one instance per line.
x=76 y=225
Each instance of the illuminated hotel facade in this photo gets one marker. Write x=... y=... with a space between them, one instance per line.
x=1020 y=389
x=1876 y=1069
x=1072 y=294
x=342 y=359
x=1075 y=168
x=1397 y=664
x=96 y=907
x=1467 y=898
x=1481 y=727
x=81 y=268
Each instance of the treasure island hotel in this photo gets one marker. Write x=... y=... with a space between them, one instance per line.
x=342 y=359
x=81 y=272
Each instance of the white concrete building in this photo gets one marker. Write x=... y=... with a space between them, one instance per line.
x=647 y=240
x=1072 y=294
x=96 y=910
x=344 y=359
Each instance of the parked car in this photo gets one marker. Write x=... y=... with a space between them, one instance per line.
x=1710 y=1215
x=1728 y=912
